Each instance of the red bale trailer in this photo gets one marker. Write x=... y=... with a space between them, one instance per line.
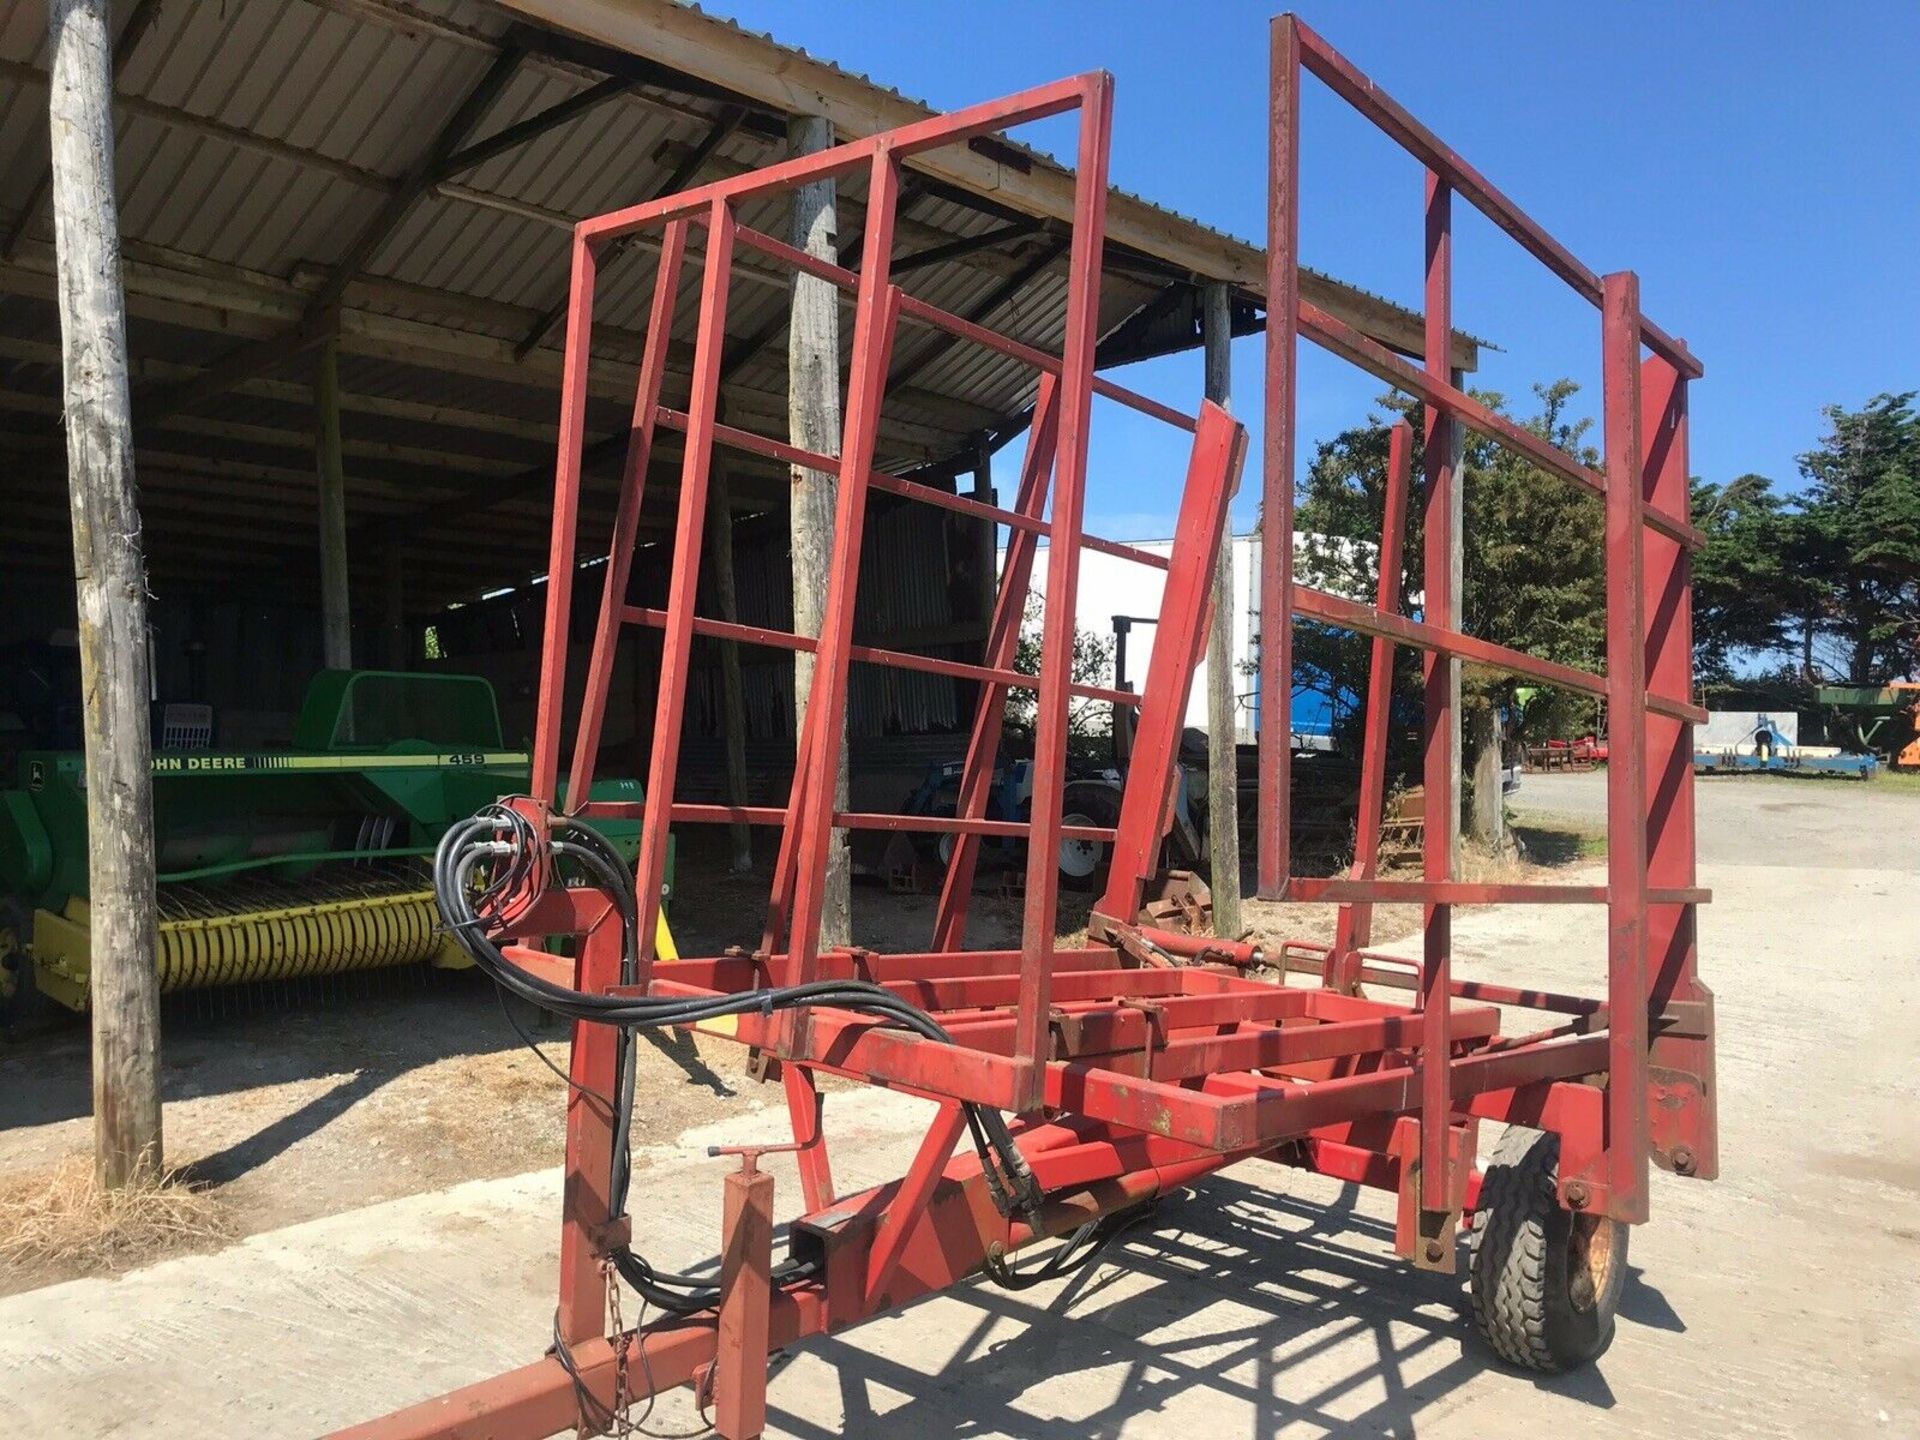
x=1076 y=1084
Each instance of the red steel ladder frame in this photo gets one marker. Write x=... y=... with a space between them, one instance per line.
x=1136 y=1062
x=1658 y=1016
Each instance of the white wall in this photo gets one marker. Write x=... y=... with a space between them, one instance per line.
x=1111 y=586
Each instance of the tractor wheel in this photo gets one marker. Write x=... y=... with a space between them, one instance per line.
x=1545 y=1280
x=1083 y=863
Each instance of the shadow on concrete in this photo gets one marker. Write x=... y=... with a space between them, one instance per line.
x=367 y=1029
x=1302 y=1280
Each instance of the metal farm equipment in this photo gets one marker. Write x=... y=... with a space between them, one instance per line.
x=1089 y=1080
x=273 y=864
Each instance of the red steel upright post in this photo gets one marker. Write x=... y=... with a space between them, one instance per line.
x=1003 y=640
x=545 y=778
x=1354 y=928
x=810 y=811
x=1032 y=1029
x=626 y=525
x=586 y=1200
x=676 y=649
x=1273 y=827
x=1684 y=1135
x=1441 y=769
x=1177 y=648
x=1627 y=987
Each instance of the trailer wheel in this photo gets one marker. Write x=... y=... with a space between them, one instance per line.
x=1545 y=1281
x=1083 y=863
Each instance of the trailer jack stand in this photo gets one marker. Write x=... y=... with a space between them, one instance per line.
x=737 y=1379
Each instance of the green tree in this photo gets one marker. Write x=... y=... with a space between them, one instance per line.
x=1749 y=582
x=1860 y=536
x=1533 y=568
x=1087 y=720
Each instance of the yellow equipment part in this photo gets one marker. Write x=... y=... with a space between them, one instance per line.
x=325 y=937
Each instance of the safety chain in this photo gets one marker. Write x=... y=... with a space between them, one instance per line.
x=622 y=1426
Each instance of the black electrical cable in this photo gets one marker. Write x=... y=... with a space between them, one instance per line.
x=518 y=867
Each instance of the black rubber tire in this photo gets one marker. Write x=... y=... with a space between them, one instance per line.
x=1545 y=1282
x=1101 y=806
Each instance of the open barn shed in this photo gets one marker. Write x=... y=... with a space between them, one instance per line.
x=383 y=191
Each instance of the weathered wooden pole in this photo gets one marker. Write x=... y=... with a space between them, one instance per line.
x=733 y=703
x=813 y=423
x=336 y=613
x=1223 y=750
x=109 y=571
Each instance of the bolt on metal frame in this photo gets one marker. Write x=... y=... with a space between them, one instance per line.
x=1140 y=1060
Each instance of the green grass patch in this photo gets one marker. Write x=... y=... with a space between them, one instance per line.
x=1907 y=781
x=1558 y=840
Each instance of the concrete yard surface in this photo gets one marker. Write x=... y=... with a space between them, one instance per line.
x=1783 y=1300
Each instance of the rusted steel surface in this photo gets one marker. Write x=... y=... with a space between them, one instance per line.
x=1145 y=1058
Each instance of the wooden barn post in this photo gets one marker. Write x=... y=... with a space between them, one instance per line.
x=109 y=567
x=813 y=423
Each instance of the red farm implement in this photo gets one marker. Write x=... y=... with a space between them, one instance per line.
x=1144 y=1059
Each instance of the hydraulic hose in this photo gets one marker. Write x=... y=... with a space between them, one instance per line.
x=486 y=866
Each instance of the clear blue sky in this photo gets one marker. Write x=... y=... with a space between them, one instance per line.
x=1758 y=164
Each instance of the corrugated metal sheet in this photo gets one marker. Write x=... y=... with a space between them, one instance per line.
x=224 y=243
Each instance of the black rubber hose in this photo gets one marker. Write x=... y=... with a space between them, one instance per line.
x=504 y=836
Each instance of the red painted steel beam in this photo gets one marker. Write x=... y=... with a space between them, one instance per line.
x=1003 y=642
x=1078 y=351
x=816 y=769
x=1354 y=928
x=1627 y=797
x=544 y=781
x=1358 y=90
x=1343 y=340
x=1441 y=768
x=872 y=655
x=626 y=525
x=1272 y=817
x=953 y=128
x=1370 y=620
x=587 y=1194
x=696 y=470
x=932 y=316
x=1434 y=637
x=1684 y=1126
x=1464 y=892
x=1213 y=474
x=748 y=441
x=870 y=820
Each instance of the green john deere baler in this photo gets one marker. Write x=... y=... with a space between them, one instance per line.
x=277 y=864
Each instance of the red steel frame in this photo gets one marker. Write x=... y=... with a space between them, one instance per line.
x=1138 y=1061
x=1650 y=893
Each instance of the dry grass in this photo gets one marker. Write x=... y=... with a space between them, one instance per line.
x=60 y=1220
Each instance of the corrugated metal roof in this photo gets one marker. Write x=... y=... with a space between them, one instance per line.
x=256 y=140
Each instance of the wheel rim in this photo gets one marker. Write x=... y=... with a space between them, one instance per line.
x=1590 y=1258
x=1079 y=858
